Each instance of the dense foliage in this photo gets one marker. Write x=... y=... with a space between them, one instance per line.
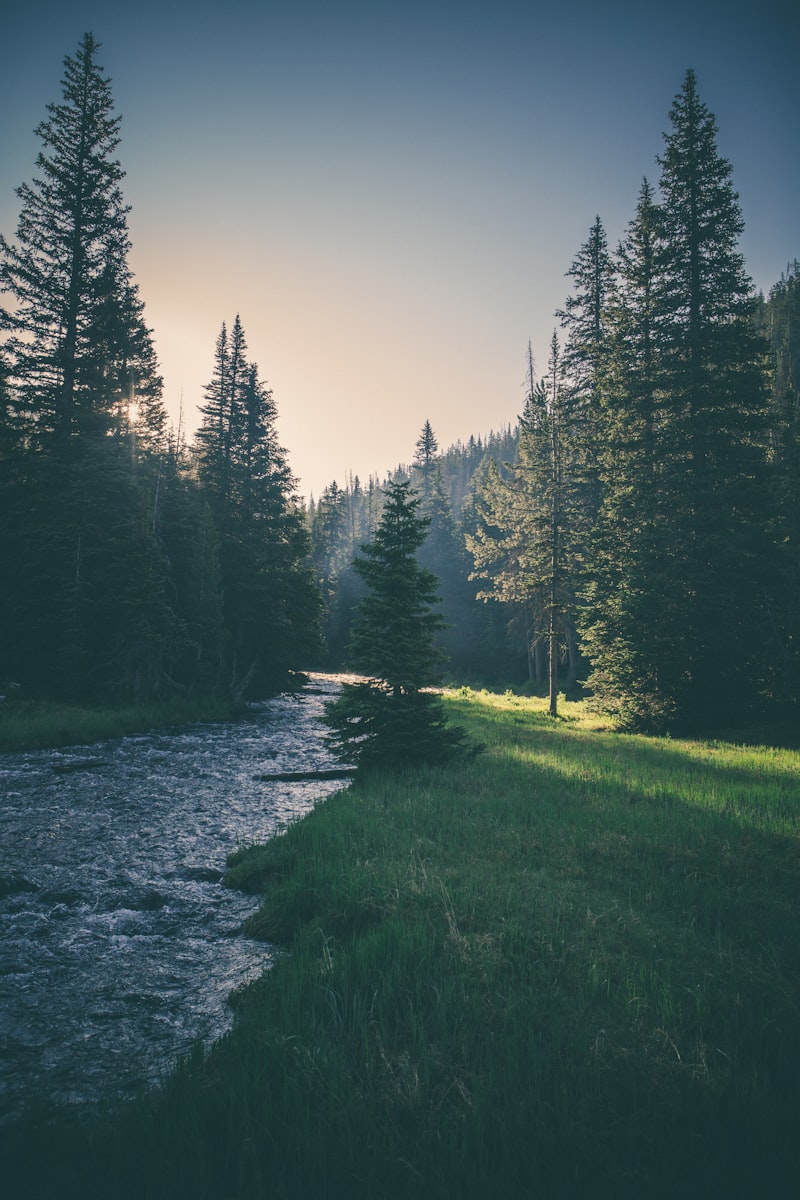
x=132 y=566
x=683 y=566
x=640 y=535
x=474 y=635
x=636 y=534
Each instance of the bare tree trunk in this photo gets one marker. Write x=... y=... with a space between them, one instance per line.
x=553 y=663
x=555 y=565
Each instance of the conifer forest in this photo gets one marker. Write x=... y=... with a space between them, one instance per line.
x=635 y=538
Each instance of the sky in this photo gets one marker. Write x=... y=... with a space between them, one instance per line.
x=390 y=193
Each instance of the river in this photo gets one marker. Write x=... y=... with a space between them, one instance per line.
x=119 y=944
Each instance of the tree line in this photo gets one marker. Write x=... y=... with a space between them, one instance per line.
x=132 y=563
x=635 y=535
x=641 y=542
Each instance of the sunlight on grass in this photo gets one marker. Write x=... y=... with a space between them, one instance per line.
x=758 y=787
x=567 y=967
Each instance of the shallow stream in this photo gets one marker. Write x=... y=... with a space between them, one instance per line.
x=119 y=945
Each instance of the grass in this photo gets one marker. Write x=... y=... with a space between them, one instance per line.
x=34 y=725
x=568 y=968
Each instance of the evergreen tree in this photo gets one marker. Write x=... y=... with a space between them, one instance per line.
x=213 y=436
x=270 y=599
x=340 y=521
x=77 y=340
x=391 y=719
x=583 y=320
x=83 y=417
x=191 y=545
x=782 y=325
x=474 y=637
x=712 y=443
x=525 y=542
x=627 y=582
x=333 y=545
x=425 y=458
x=444 y=554
x=497 y=540
x=584 y=312
x=676 y=623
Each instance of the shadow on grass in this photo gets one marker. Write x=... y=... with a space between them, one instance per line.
x=568 y=968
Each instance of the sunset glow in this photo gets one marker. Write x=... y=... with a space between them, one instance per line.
x=391 y=195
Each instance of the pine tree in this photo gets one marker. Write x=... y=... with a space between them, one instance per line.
x=712 y=439
x=583 y=320
x=626 y=585
x=84 y=415
x=676 y=616
x=340 y=521
x=78 y=342
x=782 y=325
x=525 y=542
x=425 y=458
x=391 y=719
x=190 y=540
x=271 y=602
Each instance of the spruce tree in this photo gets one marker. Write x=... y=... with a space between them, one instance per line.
x=444 y=554
x=526 y=539
x=583 y=320
x=270 y=599
x=425 y=458
x=626 y=585
x=391 y=719
x=712 y=437
x=88 y=610
x=340 y=521
x=77 y=340
x=675 y=618
x=781 y=318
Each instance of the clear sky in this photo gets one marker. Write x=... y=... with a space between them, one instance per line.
x=390 y=192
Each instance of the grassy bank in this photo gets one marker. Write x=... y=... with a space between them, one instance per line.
x=33 y=724
x=568 y=968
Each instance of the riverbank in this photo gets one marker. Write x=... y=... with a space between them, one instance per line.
x=567 y=968
x=39 y=724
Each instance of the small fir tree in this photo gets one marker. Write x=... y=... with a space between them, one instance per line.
x=390 y=719
x=426 y=450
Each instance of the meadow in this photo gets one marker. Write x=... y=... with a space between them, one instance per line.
x=569 y=967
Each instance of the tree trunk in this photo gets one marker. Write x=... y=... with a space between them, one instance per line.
x=553 y=663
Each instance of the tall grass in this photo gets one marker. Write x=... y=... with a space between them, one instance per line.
x=567 y=968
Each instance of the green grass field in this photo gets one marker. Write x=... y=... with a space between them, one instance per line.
x=569 y=967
